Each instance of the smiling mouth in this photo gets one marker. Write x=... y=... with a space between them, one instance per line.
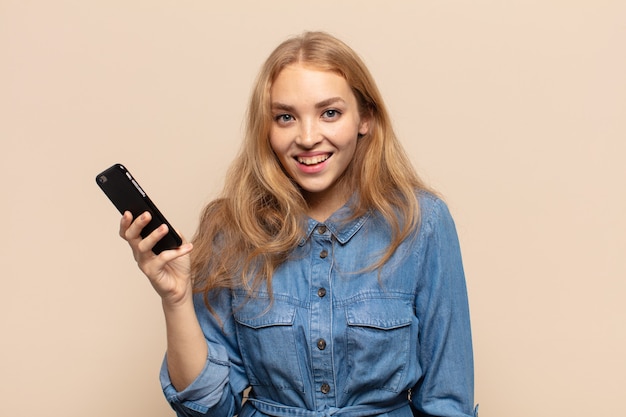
x=313 y=160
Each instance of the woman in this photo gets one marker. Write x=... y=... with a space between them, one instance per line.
x=327 y=278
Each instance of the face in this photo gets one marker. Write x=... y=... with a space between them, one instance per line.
x=315 y=128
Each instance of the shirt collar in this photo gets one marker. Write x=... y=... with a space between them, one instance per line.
x=338 y=225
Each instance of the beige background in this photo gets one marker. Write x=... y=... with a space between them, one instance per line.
x=515 y=110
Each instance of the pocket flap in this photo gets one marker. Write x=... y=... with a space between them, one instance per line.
x=380 y=313
x=256 y=314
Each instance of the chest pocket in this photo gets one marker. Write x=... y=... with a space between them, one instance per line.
x=267 y=341
x=378 y=343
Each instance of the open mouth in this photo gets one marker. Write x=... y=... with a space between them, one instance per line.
x=313 y=160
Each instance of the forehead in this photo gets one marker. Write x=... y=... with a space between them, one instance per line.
x=302 y=83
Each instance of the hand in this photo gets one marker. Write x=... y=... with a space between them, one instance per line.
x=168 y=272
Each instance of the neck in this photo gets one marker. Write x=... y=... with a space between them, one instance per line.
x=322 y=205
x=322 y=213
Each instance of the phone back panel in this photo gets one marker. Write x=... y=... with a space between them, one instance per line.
x=127 y=195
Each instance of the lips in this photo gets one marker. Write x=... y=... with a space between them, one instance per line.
x=313 y=159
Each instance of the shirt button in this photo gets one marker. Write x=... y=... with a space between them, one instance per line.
x=321 y=292
x=321 y=229
x=325 y=388
x=321 y=344
x=323 y=254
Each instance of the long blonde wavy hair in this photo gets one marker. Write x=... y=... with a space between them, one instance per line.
x=244 y=235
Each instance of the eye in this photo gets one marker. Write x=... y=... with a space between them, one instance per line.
x=331 y=114
x=283 y=118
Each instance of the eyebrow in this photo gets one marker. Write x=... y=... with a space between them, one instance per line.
x=321 y=104
x=328 y=102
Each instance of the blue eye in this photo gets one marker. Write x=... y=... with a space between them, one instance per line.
x=283 y=118
x=331 y=114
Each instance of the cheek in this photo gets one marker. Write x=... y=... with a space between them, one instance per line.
x=346 y=130
x=345 y=137
x=272 y=136
x=275 y=142
x=279 y=147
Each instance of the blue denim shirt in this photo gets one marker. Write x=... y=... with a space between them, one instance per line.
x=338 y=339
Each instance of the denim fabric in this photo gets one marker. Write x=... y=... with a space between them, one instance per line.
x=339 y=339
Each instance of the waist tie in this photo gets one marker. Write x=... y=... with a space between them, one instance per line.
x=275 y=409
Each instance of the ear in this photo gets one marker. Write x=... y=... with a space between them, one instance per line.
x=364 y=125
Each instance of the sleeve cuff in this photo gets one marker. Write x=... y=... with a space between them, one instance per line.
x=208 y=387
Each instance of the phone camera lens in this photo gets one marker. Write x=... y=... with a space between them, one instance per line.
x=102 y=179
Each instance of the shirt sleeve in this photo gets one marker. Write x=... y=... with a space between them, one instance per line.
x=446 y=388
x=218 y=389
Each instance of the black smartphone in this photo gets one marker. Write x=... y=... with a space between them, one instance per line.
x=127 y=195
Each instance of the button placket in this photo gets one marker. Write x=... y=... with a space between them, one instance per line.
x=321 y=305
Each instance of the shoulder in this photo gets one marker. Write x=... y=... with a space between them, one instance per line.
x=431 y=205
x=434 y=212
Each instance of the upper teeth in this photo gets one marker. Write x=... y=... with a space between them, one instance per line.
x=313 y=160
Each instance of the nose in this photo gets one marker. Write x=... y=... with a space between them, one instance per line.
x=309 y=134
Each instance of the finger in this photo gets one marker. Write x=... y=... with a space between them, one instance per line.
x=126 y=220
x=153 y=238
x=171 y=254
x=133 y=232
x=155 y=264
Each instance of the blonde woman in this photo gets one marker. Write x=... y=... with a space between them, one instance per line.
x=327 y=280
